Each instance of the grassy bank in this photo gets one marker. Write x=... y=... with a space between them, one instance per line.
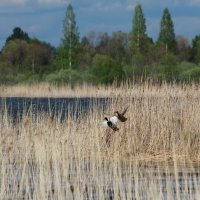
x=42 y=158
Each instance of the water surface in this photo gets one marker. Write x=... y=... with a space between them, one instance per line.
x=17 y=106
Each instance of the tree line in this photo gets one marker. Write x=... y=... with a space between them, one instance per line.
x=100 y=57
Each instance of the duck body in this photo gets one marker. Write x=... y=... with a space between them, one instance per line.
x=111 y=123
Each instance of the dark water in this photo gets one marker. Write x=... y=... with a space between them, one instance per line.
x=16 y=107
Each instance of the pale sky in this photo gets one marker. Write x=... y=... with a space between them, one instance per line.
x=43 y=18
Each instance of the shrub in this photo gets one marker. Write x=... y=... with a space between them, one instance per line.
x=106 y=70
x=192 y=74
x=64 y=76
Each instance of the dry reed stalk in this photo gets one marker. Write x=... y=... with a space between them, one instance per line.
x=159 y=118
x=43 y=158
x=84 y=90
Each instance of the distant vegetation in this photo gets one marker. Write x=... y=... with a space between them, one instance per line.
x=100 y=57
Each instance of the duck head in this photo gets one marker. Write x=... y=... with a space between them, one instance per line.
x=106 y=118
x=116 y=113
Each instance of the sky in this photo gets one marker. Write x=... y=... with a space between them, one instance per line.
x=43 y=19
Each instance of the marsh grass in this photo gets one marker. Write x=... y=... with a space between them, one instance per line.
x=154 y=155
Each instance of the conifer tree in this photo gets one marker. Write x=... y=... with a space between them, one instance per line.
x=138 y=35
x=18 y=33
x=167 y=35
x=195 y=50
x=70 y=41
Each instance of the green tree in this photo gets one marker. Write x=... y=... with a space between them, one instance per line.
x=183 y=48
x=18 y=33
x=195 y=50
x=102 y=43
x=22 y=56
x=166 y=34
x=118 y=47
x=14 y=52
x=87 y=53
x=39 y=56
x=138 y=34
x=106 y=69
x=70 y=43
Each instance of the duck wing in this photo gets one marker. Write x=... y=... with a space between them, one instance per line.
x=123 y=113
x=104 y=124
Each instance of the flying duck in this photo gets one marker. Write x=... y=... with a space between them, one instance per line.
x=111 y=123
x=120 y=116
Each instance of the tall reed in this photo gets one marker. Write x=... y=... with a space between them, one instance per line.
x=154 y=155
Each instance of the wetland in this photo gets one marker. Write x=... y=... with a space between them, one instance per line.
x=55 y=148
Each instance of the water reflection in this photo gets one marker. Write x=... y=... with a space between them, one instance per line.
x=122 y=180
x=54 y=107
x=130 y=180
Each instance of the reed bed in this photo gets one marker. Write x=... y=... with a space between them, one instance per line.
x=125 y=89
x=154 y=155
x=47 y=90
